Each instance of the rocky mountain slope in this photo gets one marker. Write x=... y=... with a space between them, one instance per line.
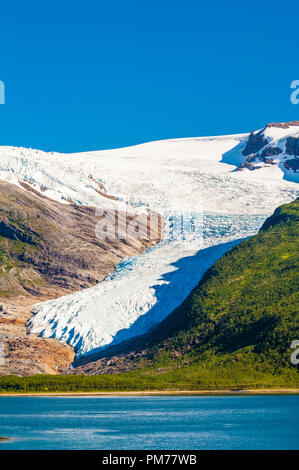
x=44 y=243
x=241 y=319
x=49 y=249
x=276 y=144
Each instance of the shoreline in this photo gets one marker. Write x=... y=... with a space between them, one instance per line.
x=232 y=392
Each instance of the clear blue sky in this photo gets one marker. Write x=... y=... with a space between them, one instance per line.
x=85 y=75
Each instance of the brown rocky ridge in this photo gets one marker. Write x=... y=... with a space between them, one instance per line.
x=49 y=249
x=258 y=151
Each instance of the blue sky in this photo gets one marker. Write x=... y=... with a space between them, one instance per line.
x=94 y=74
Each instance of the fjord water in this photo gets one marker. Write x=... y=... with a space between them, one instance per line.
x=160 y=422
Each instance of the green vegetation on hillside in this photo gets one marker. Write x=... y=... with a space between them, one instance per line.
x=247 y=302
x=233 y=331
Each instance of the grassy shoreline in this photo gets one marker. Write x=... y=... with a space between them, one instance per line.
x=230 y=377
x=232 y=392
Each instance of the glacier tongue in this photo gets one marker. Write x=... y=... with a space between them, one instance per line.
x=142 y=291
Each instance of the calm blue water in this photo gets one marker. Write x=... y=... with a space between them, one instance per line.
x=222 y=422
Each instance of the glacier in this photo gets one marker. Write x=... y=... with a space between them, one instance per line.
x=171 y=177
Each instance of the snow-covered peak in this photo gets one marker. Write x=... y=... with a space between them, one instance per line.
x=176 y=174
x=275 y=132
x=275 y=148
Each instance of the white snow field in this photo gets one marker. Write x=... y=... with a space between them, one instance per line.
x=194 y=178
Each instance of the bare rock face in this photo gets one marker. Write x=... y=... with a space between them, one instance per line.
x=292 y=146
x=251 y=162
x=256 y=141
x=258 y=149
x=283 y=125
x=292 y=164
x=248 y=163
x=47 y=250
x=271 y=151
x=27 y=354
